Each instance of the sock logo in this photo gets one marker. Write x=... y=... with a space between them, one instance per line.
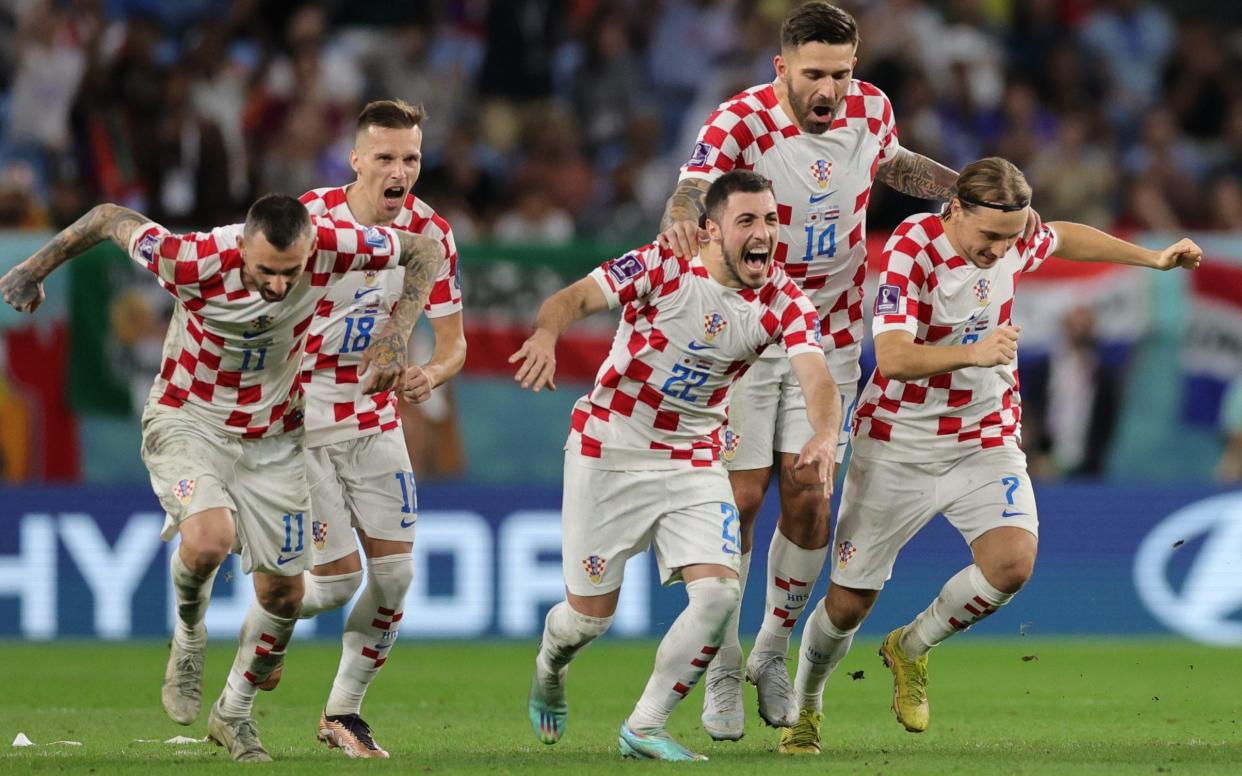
x=594 y=566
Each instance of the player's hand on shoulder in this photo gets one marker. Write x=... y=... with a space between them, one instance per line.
x=417 y=386
x=1033 y=222
x=999 y=347
x=21 y=289
x=683 y=238
x=538 y=362
x=1184 y=253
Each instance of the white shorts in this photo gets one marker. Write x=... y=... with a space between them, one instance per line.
x=195 y=467
x=885 y=503
x=767 y=412
x=608 y=516
x=363 y=483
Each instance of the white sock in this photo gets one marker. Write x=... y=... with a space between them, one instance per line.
x=370 y=631
x=685 y=651
x=964 y=600
x=260 y=648
x=730 y=654
x=792 y=571
x=565 y=633
x=325 y=593
x=824 y=645
x=192 y=592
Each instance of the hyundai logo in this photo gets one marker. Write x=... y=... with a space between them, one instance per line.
x=1211 y=591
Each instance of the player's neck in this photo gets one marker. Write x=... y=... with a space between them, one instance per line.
x=950 y=234
x=782 y=99
x=363 y=211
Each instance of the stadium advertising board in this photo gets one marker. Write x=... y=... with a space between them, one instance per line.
x=88 y=562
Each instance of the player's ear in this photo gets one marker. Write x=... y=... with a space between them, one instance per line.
x=353 y=160
x=778 y=64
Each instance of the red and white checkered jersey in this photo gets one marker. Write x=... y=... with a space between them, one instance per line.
x=822 y=185
x=356 y=308
x=684 y=339
x=943 y=299
x=232 y=359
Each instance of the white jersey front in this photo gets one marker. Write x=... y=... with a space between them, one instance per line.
x=941 y=298
x=684 y=339
x=356 y=309
x=822 y=185
x=231 y=359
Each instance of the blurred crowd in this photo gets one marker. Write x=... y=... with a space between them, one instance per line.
x=551 y=119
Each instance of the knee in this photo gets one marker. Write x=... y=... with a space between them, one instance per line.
x=718 y=597
x=283 y=599
x=748 y=498
x=390 y=576
x=847 y=607
x=325 y=593
x=204 y=556
x=1009 y=572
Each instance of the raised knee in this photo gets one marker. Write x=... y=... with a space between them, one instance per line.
x=204 y=557
x=1009 y=574
x=391 y=575
x=718 y=595
x=847 y=609
x=325 y=593
x=748 y=498
x=282 y=600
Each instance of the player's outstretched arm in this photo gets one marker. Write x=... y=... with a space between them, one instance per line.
x=22 y=286
x=385 y=358
x=917 y=176
x=538 y=353
x=446 y=361
x=899 y=358
x=1079 y=242
x=823 y=408
x=679 y=228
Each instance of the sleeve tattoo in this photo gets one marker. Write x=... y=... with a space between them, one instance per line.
x=686 y=204
x=102 y=222
x=918 y=176
x=422 y=258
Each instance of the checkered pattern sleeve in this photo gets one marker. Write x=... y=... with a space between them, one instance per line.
x=1036 y=250
x=632 y=276
x=903 y=277
x=733 y=134
x=345 y=247
x=189 y=266
x=875 y=106
x=799 y=321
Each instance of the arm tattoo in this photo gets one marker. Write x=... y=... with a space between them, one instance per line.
x=918 y=176
x=102 y=222
x=422 y=258
x=686 y=204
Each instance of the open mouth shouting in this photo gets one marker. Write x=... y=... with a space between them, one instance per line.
x=394 y=196
x=755 y=258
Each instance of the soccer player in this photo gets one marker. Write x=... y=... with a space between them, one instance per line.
x=822 y=138
x=359 y=469
x=937 y=428
x=222 y=429
x=642 y=462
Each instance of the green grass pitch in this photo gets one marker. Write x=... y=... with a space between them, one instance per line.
x=1076 y=706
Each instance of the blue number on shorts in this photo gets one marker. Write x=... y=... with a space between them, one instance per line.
x=409 y=494
x=693 y=378
x=1012 y=484
x=357 y=333
x=731 y=529
x=969 y=338
x=824 y=245
x=289 y=520
x=259 y=358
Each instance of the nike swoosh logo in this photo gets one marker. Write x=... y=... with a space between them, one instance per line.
x=282 y=560
x=1007 y=513
x=821 y=197
x=363 y=292
x=696 y=346
x=252 y=335
x=407 y=523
